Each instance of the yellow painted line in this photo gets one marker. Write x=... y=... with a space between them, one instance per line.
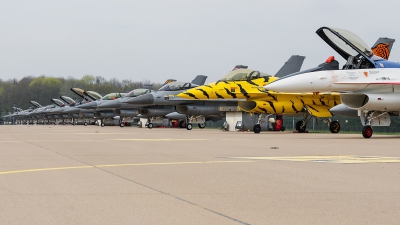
x=344 y=159
x=117 y=165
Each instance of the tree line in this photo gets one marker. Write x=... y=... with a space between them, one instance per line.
x=42 y=89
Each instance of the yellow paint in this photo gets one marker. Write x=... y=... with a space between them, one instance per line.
x=258 y=100
x=116 y=165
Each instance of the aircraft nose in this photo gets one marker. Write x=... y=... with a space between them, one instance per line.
x=111 y=104
x=297 y=83
x=146 y=99
x=89 y=105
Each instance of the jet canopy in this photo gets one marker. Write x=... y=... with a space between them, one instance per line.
x=176 y=86
x=344 y=42
x=113 y=96
x=57 y=102
x=137 y=92
x=93 y=95
x=243 y=75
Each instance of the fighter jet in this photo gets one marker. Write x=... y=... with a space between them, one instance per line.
x=246 y=86
x=156 y=105
x=368 y=83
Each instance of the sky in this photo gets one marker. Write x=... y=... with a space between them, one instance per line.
x=157 y=40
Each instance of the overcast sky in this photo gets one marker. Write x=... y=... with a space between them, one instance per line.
x=157 y=40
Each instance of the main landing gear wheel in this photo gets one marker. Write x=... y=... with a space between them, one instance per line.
x=85 y=124
x=150 y=125
x=367 y=131
x=334 y=127
x=121 y=124
x=299 y=128
x=257 y=128
x=201 y=125
x=102 y=124
x=182 y=124
x=189 y=126
x=283 y=128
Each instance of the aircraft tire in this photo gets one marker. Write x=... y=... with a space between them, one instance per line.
x=102 y=124
x=283 y=128
x=189 y=126
x=257 y=128
x=202 y=125
x=367 y=131
x=334 y=127
x=298 y=127
x=85 y=124
x=63 y=123
x=182 y=124
x=121 y=124
x=150 y=125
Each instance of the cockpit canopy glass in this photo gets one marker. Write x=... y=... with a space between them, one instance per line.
x=58 y=102
x=351 y=37
x=137 y=92
x=176 y=86
x=243 y=74
x=113 y=96
x=93 y=94
x=68 y=99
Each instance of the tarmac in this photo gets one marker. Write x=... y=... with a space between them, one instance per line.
x=55 y=174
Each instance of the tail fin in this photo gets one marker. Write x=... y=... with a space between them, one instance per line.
x=382 y=47
x=200 y=80
x=293 y=65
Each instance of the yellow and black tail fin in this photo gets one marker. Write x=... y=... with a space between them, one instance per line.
x=382 y=47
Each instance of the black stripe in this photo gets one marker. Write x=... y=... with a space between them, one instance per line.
x=204 y=93
x=230 y=93
x=190 y=95
x=272 y=105
x=293 y=107
x=262 y=109
x=251 y=82
x=219 y=96
x=244 y=92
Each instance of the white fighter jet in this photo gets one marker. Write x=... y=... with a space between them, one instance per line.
x=368 y=83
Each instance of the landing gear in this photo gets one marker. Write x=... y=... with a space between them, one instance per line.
x=102 y=124
x=85 y=124
x=301 y=126
x=367 y=131
x=150 y=125
x=334 y=127
x=201 y=125
x=257 y=128
x=189 y=126
x=182 y=124
x=121 y=124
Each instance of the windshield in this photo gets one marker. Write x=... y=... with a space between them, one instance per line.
x=137 y=92
x=113 y=96
x=243 y=74
x=351 y=37
x=176 y=86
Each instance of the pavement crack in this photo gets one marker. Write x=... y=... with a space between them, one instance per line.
x=140 y=184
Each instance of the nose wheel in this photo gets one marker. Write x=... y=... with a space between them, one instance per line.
x=189 y=126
